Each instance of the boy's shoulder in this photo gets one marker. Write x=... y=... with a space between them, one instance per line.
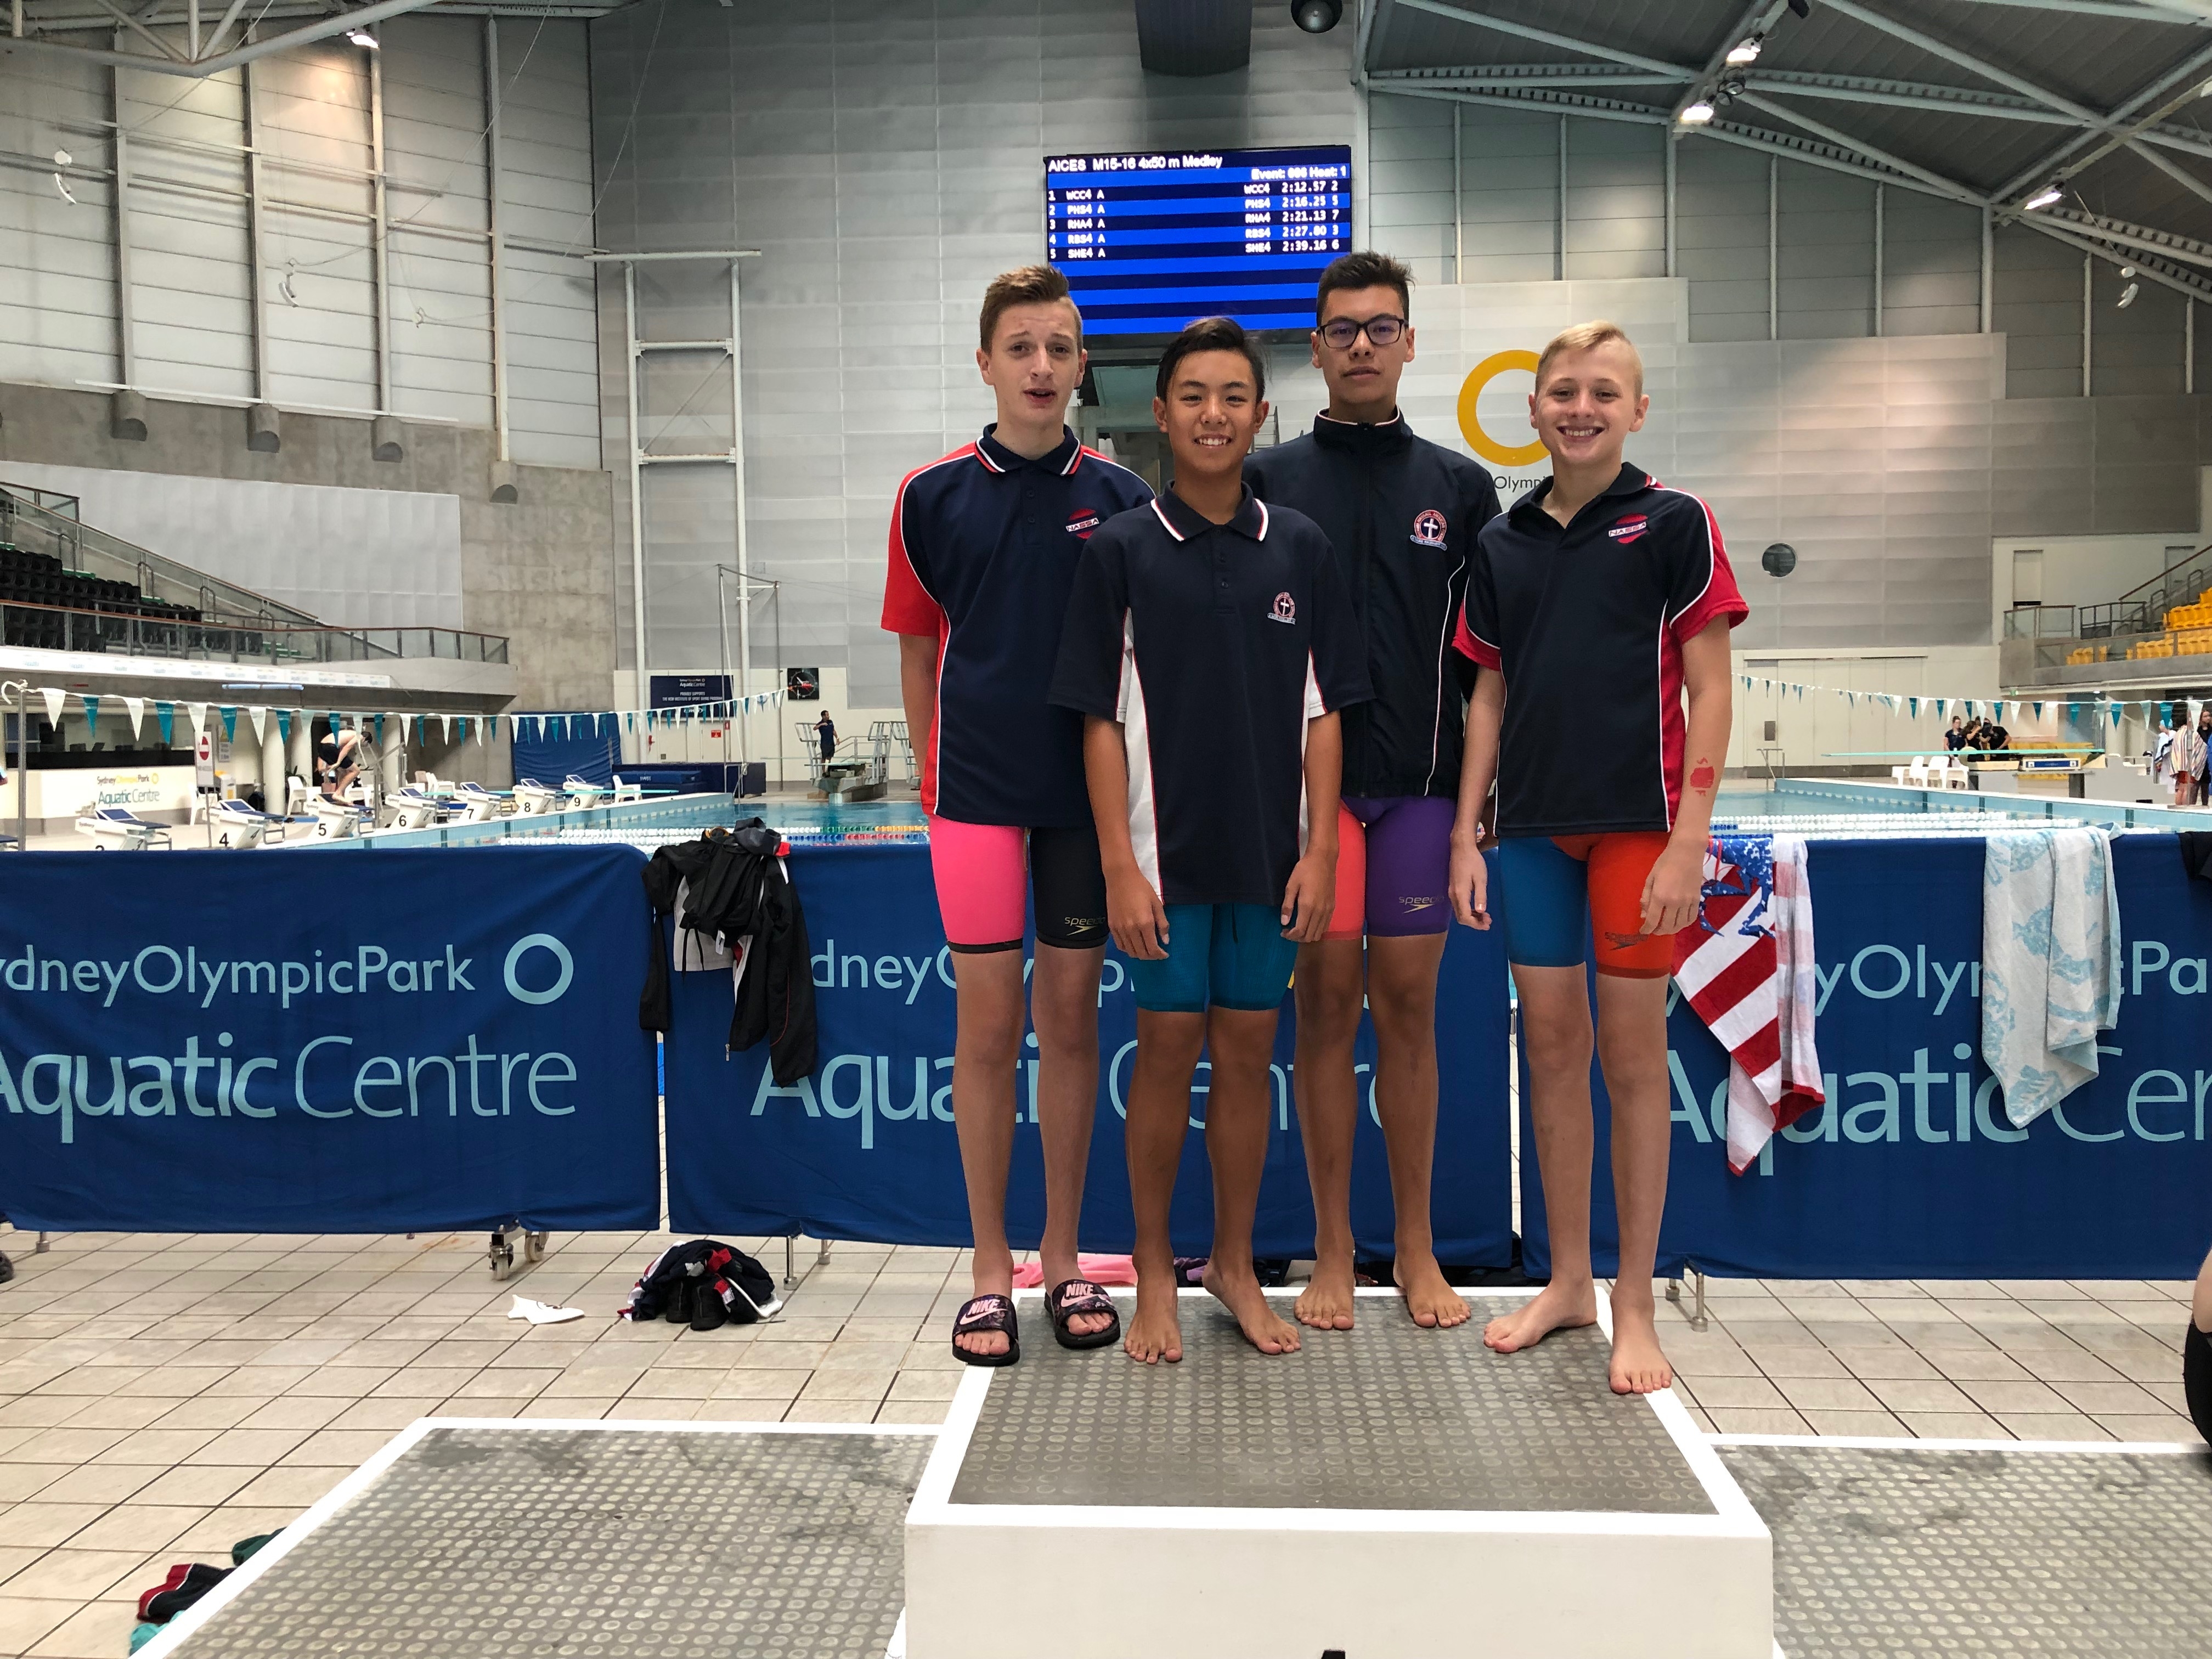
x=1124 y=485
x=1464 y=470
x=1127 y=525
x=1293 y=529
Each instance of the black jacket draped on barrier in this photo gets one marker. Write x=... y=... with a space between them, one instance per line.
x=738 y=888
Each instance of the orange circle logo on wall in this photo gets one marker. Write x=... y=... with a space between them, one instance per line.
x=1470 y=423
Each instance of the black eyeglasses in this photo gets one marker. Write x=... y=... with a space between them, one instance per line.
x=1341 y=331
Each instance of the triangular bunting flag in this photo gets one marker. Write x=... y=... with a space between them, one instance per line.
x=229 y=713
x=91 y=717
x=444 y=726
x=260 y=717
x=55 y=702
x=198 y=713
x=133 y=709
x=165 y=716
x=284 y=725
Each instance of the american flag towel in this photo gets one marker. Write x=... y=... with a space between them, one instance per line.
x=1746 y=966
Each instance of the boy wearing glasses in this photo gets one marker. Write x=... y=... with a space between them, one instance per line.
x=1402 y=514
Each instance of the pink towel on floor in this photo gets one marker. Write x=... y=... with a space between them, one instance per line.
x=1099 y=1269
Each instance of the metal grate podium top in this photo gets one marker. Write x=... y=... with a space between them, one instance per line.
x=1385 y=1417
x=523 y=1542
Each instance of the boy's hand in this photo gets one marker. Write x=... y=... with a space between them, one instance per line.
x=1135 y=916
x=1673 y=889
x=1469 y=884
x=1309 y=898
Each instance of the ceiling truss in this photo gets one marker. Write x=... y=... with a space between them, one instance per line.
x=1577 y=89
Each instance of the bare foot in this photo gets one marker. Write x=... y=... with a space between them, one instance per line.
x=986 y=1343
x=1554 y=1308
x=1241 y=1294
x=1326 y=1303
x=1154 y=1334
x=1058 y=1270
x=1638 y=1365
x=1432 y=1302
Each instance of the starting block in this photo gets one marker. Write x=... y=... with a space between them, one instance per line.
x=1436 y=1498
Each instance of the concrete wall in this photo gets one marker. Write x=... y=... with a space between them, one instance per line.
x=537 y=571
x=193 y=249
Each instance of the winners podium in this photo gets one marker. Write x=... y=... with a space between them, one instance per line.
x=1390 y=1493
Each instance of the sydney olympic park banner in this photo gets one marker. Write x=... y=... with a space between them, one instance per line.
x=449 y=1039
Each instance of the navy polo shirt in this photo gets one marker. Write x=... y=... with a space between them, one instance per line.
x=1212 y=645
x=1586 y=623
x=983 y=549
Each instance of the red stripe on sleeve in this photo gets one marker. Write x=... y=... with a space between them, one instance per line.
x=907 y=606
x=1480 y=652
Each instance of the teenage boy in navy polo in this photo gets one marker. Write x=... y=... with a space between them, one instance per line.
x=983 y=549
x=1596 y=607
x=1209 y=645
x=1402 y=514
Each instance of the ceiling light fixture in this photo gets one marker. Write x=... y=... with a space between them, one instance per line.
x=362 y=37
x=1696 y=114
x=1802 y=8
x=1316 y=17
x=2043 y=199
x=1746 y=51
x=2127 y=272
x=2128 y=294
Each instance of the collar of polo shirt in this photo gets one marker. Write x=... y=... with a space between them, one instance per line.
x=1630 y=479
x=1363 y=436
x=1185 y=523
x=997 y=458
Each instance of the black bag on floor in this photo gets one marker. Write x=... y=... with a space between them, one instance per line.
x=704 y=1266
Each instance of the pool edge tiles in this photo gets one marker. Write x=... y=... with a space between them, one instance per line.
x=758 y=1541
x=1550 y=1582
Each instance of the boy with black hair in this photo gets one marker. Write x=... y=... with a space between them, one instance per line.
x=1597 y=608
x=1209 y=646
x=983 y=550
x=1402 y=514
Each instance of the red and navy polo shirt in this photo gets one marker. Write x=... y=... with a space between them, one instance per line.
x=1213 y=644
x=983 y=550
x=1586 y=623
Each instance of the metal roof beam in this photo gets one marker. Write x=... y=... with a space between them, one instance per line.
x=199 y=70
x=2106 y=124
x=1547 y=37
x=2145 y=237
x=1954 y=101
x=1757 y=18
x=1845 y=141
x=1560 y=74
x=1553 y=103
x=2181 y=280
x=1837 y=158
x=2147 y=11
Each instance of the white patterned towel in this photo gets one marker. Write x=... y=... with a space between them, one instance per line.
x=2050 y=962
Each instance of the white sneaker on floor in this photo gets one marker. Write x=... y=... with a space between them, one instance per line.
x=537 y=1313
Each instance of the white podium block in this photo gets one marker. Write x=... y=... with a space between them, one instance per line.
x=1390 y=1492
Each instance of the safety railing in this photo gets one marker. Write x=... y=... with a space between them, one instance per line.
x=61 y=628
x=44 y=521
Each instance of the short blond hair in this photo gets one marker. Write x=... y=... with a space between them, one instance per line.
x=1587 y=337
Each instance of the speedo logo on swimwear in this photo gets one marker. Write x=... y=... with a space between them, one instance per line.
x=1630 y=528
x=1428 y=528
x=1083 y=522
x=1285 y=611
x=1412 y=903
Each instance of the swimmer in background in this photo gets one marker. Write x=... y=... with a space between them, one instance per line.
x=1600 y=589
x=342 y=754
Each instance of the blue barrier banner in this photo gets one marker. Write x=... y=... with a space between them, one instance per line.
x=278 y=1042
x=1913 y=1171
x=864 y=1149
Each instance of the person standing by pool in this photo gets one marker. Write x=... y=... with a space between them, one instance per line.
x=983 y=550
x=825 y=730
x=1600 y=589
x=1401 y=514
x=2186 y=757
x=1955 y=738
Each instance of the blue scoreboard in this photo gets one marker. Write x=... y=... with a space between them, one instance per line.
x=1150 y=241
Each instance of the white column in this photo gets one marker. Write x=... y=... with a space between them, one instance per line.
x=272 y=767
